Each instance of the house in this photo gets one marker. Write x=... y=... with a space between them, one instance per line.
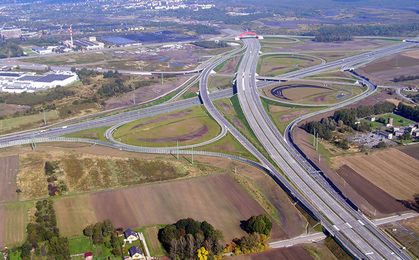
x=136 y=253
x=88 y=256
x=372 y=118
x=385 y=134
x=131 y=235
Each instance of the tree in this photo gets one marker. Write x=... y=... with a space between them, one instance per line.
x=97 y=234
x=202 y=253
x=258 y=224
x=88 y=231
x=59 y=248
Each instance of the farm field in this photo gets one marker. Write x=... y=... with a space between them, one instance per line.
x=13 y=220
x=383 y=71
x=411 y=150
x=158 y=206
x=311 y=92
x=273 y=65
x=390 y=169
x=9 y=167
x=190 y=126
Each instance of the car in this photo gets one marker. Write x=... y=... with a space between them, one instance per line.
x=64 y=127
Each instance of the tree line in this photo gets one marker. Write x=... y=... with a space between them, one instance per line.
x=346 y=32
x=9 y=49
x=405 y=78
x=43 y=236
x=211 y=44
x=346 y=118
x=410 y=112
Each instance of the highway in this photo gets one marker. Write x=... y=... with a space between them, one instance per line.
x=348 y=227
x=354 y=231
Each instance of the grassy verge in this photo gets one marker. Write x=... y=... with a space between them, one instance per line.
x=93 y=133
x=229 y=145
x=234 y=114
x=23 y=122
x=283 y=114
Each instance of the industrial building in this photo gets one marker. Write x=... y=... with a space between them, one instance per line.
x=16 y=82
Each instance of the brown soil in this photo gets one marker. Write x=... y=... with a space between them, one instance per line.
x=217 y=199
x=295 y=252
x=181 y=138
x=384 y=70
x=9 y=167
x=381 y=200
x=411 y=150
x=391 y=170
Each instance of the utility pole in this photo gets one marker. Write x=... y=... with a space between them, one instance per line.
x=314 y=138
x=45 y=118
x=133 y=97
x=162 y=75
x=177 y=149
x=317 y=142
x=192 y=154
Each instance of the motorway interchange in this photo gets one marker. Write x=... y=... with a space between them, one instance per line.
x=302 y=181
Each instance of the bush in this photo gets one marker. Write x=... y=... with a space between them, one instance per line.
x=258 y=224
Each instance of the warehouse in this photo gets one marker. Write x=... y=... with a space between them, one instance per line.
x=29 y=82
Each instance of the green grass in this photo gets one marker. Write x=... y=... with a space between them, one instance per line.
x=247 y=131
x=93 y=133
x=229 y=145
x=164 y=130
x=82 y=244
x=19 y=123
x=397 y=121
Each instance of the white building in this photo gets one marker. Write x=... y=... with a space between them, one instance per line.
x=30 y=82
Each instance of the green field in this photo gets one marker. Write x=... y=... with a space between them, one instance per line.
x=184 y=127
x=397 y=121
x=273 y=65
x=229 y=145
x=23 y=122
